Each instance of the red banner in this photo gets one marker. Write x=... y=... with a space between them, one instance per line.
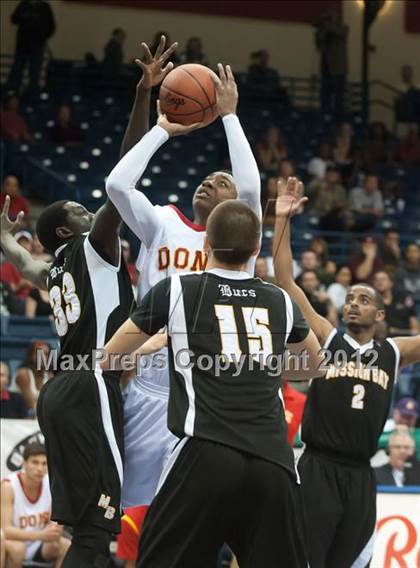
x=304 y=11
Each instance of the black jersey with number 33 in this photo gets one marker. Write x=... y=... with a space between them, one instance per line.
x=90 y=298
x=346 y=410
x=220 y=317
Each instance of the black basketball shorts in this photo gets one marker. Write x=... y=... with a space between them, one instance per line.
x=80 y=415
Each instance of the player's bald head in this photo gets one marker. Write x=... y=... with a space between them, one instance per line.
x=233 y=232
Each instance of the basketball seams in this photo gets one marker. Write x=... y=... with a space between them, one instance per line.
x=200 y=85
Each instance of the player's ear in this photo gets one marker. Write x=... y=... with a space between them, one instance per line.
x=380 y=316
x=64 y=232
x=256 y=251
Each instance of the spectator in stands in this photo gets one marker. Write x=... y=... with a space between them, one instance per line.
x=344 y=154
x=18 y=203
x=65 y=130
x=12 y=124
x=113 y=61
x=405 y=414
x=286 y=169
x=262 y=80
x=35 y=25
x=331 y=42
x=408 y=151
x=26 y=511
x=337 y=291
x=393 y=194
x=317 y=296
x=328 y=200
x=366 y=204
x=194 y=52
x=364 y=263
x=12 y=403
x=271 y=150
x=38 y=304
x=32 y=376
x=319 y=246
x=407 y=277
x=131 y=267
x=309 y=260
x=294 y=403
x=389 y=250
x=317 y=165
x=376 y=149
x=402 y=469
x=400 y=313
x=407 y=105
x=261 y=270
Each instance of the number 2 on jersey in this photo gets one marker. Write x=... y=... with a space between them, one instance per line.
x=358 y=396
x=257 y=327
x=71 y=314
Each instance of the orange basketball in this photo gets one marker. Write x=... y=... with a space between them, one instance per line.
x=188 y=95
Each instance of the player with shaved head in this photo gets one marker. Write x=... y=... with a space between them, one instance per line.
x=345 y=411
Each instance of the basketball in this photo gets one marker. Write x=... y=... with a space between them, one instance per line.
x=188 y=95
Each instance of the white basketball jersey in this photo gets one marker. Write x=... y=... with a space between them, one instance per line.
x=177 y=247
x=28 y=514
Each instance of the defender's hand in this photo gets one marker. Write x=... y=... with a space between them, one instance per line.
x=153 y=65
x=7 y=225
x=289 y=197
x=173 y=128
x=226 y=90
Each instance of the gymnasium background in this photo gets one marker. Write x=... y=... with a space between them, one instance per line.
x=230 y=32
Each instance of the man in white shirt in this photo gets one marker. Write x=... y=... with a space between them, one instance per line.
x=366 y=203
x=25 y=513
x=399 y=470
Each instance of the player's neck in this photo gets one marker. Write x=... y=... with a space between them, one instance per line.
x=214 y=263
x=362 y=335
x=31 y=487
x=200 y=219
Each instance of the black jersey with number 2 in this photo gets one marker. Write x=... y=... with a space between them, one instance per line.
x=214 y=320
x=346 y=410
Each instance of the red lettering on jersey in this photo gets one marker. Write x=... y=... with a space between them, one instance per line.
x=200 y=261
x=32 y=520
x=164 y=257
x=182 y=256
x=23 y=522
x=392 y=553
x=43 y=518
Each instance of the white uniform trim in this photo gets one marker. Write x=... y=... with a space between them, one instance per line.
x=330 y=337
x=366 y=554
x=170 y=463
x=289 y=315
x=105 y=290
x=397 y=355
x=361 y=348
x=177 y=329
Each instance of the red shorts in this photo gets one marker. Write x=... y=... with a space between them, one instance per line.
x=131 y=525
